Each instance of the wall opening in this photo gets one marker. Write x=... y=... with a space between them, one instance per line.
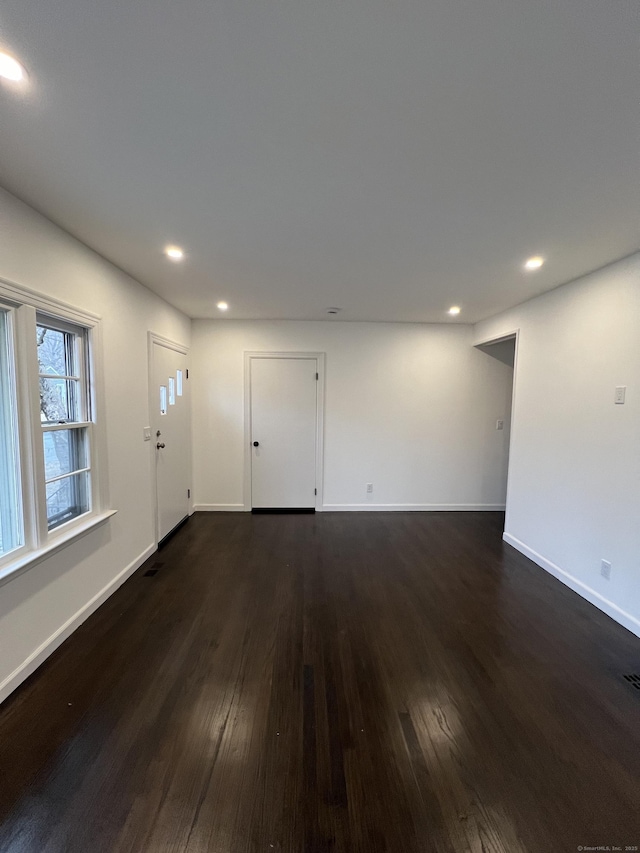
x=504 y=349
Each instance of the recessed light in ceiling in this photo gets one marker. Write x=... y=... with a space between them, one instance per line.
x=534 y=263
x=222 y=306
x=10 y=68
x=174 y=252
x=454 y=310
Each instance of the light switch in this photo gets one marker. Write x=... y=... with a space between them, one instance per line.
x=621 y=391
x=147 y=433
x=500 y=424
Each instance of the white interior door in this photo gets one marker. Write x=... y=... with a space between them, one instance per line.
x=170 y=435
x=283 y=432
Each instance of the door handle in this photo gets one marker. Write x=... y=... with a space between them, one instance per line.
x=256 y=444
x=160 y=445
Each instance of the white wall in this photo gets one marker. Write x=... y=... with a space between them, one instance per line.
x=409 y=408
x=574 y=475
x=39 y=606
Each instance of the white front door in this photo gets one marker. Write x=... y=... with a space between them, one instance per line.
x=170 y=434
x=283 y=432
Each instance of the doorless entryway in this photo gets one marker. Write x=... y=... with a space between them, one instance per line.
x=283 y=430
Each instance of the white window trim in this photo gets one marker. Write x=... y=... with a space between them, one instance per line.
x=23 y=305
x=85 y=525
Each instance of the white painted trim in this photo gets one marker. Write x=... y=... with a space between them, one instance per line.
x=44 y=650
x=168 y=343
x=18 y=294
x=246 y=457
x=65 y=535
x=515 y=334
x=505 y=336
x=100 y=457
x=616 y=613
x=413 y=507
x=219 y=508
x=320 y=360
x=26 y=305
x=36 y=489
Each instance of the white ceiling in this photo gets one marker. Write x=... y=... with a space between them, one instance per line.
x=390 y=158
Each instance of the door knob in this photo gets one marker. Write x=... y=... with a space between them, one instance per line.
x=160 y=445
x=256 y=444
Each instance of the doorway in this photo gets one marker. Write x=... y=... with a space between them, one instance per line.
x=169 y=408
x=283 y=431
x=505 y=350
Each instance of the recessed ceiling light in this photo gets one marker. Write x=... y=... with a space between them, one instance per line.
x=534 y=263
x=174 y=252
x=11 y=69
x=454 y=310
x=222 y=306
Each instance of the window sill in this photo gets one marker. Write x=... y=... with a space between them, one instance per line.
x=26 y=561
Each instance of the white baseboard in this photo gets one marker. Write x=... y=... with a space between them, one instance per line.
x=616 y=613
x=368 y=507
x=219 y=507
x=47 y=648
x=413 y=507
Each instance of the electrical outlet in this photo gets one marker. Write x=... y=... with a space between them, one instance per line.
x=369 y=488
x=605 y=569
x=621 y=392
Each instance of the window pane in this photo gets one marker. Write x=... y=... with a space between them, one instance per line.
x=59 y=400
x=11 y=533
x=63 y=399
x=163 y=399
x=172 y=391
x=56 y=352
x=179 y=382
x=64 y=452
x=67 y=499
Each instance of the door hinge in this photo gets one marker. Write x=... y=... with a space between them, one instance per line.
x=315 y=491
x=317 y=377
x=187 y=373
x=188 y=493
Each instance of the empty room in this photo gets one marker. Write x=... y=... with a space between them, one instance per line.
x=319 y=426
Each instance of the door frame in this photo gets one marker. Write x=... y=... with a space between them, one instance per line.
x=155 y=339
x=320 y=362
x=513 y=335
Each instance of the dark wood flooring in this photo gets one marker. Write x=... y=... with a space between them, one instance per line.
x=339 y=682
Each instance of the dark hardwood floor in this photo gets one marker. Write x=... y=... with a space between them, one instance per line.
x=338 y=682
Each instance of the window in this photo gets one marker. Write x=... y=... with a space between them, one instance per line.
x=179 y=382
x=50 y=435
x=11 y=530
x=163 y=399
x=64 y=418
x=172 y=391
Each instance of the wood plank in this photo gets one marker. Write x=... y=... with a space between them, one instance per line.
x=353 y=683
